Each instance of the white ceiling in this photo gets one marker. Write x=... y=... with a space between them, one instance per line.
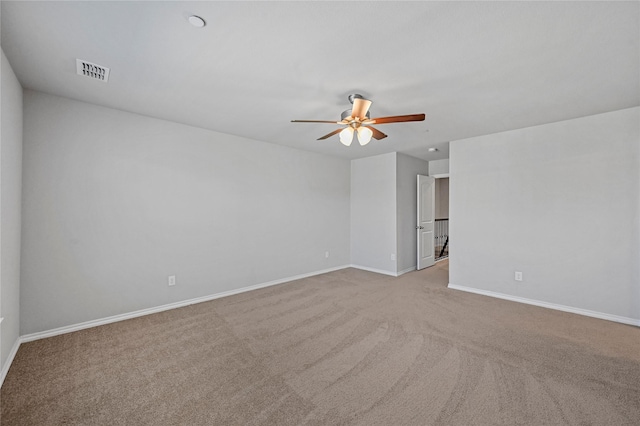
x=473 y=67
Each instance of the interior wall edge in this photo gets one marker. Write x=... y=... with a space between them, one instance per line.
x=9 y=361
x=11 y=147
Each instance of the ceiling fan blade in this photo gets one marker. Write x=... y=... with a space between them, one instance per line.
x=360 y=108
x=396 y=119
x=316 y=121
x=328 y=135
x=377 y=134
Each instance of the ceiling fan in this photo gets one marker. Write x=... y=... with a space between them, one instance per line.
x=358 y=120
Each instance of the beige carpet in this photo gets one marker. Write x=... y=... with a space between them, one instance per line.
x=345 y=348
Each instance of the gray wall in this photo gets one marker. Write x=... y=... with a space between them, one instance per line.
x=115 y=202
x=10 y=208
x=408 y=168
x=373 y=212
x=439 y=167
x=559 y=202
x=383 y=212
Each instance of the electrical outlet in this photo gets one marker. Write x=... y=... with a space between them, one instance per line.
x=326 y=254
x=172 y=280
x=518 y=276
x=393 y=256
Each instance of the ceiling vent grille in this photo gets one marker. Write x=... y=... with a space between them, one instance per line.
x=91 y=70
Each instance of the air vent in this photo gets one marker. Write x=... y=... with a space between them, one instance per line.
x=95 y=71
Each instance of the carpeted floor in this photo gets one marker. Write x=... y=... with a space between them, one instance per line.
x=345 y=348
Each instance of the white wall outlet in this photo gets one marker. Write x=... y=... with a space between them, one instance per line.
x=393 y=256
x=172 y=280
x=518 y=276
x=326 y=254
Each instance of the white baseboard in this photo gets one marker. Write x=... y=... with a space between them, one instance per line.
x=377 y=271
x=156 y=309
x=557 y=307
x=7 y=364
x=404 y=271
x=382 y=271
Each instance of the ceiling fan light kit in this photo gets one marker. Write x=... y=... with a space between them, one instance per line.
x=364 y=135
x=346 y=136
x=358 y=120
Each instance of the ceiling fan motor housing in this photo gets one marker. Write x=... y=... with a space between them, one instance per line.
x=347 y=113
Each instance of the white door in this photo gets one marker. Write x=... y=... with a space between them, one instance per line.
x=425 y=225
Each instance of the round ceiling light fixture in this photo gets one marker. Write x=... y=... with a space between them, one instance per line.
x=433 y=149
x=197 y=21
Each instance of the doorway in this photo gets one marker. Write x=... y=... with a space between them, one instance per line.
x=441 y=229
